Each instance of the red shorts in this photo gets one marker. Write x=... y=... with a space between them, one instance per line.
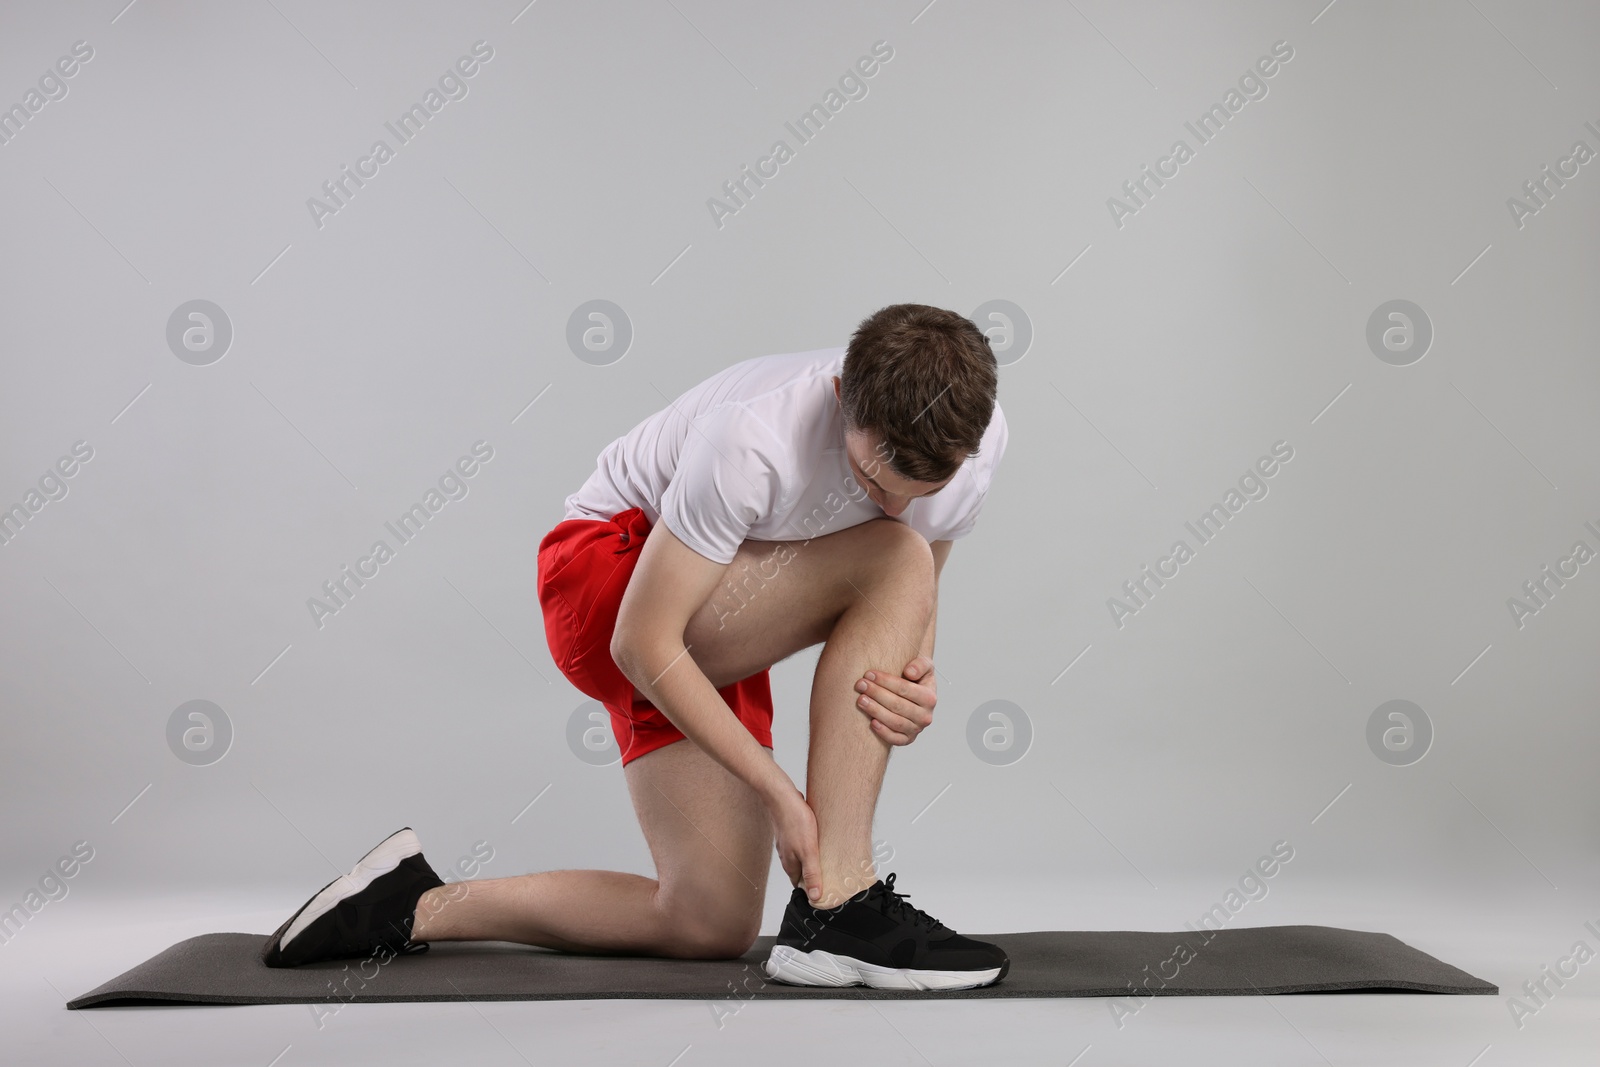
x=584 y=567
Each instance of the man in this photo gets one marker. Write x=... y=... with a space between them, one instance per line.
x=786 y=501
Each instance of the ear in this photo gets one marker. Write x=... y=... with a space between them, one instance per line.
x=836 y=394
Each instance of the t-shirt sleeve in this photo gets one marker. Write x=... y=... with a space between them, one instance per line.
x=726 y=480
x=984 y=466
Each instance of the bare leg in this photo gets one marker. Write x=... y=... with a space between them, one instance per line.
x=867 y=592
x=712 y=844
x=881 y=630
x=576 y=911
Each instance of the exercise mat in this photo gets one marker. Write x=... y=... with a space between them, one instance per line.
x=226 y=968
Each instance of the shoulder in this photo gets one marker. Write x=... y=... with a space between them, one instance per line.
x=783 y=399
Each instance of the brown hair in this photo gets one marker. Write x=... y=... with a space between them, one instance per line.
x=925 y=380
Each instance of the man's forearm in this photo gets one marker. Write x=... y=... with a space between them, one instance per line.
x=674 y=683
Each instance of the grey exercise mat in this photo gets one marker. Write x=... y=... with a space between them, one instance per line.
x=227 y=969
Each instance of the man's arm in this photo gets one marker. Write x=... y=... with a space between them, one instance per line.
x=671 y=581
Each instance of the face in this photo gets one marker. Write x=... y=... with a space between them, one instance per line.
x=869 y=464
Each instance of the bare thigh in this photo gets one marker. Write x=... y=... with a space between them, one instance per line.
x=711 y=839
x=780 y=597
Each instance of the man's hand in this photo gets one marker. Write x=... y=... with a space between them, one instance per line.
x=901 y=708
x=794 y=828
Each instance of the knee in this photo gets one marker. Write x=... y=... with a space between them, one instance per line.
x=723 y=939
x=900 y=549
x=729 y=945
x=698 y=923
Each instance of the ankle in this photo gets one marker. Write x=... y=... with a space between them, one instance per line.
x=425 y=921
x=836 y=889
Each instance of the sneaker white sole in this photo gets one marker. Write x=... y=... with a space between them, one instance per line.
x=794 y=967
x=380 y=861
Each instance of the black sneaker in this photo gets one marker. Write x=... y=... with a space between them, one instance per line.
x=876 y=939
x=354 y=915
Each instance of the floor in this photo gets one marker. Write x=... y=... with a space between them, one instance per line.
x=75 y=944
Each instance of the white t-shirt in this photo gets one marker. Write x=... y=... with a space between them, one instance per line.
x=756 y=452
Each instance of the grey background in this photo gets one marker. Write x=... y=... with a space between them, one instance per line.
x=1227 y=314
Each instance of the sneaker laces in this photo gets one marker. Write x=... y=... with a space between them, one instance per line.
x=898 y=907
